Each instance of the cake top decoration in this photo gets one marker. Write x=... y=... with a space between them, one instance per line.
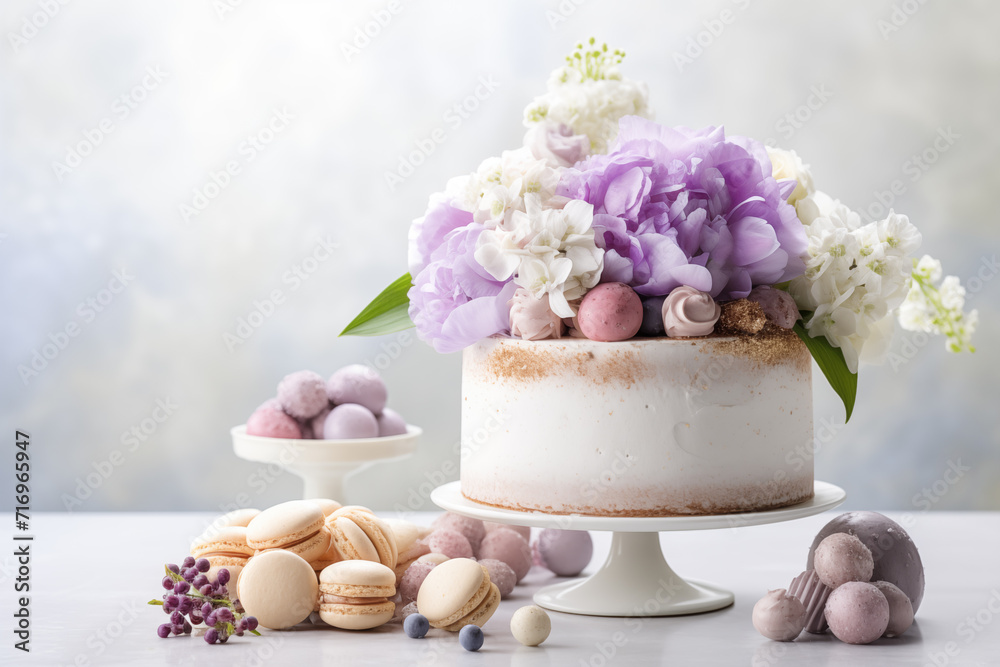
x=600 y=193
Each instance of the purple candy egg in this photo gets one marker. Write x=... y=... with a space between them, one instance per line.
x=302 y=394
x=451 y=543
x=510 y=547
x=473 y=529
x=350 y=421
x=778 y=305
x=390 y=423
x=565 y=552
x=357 y=384
x=500 y=574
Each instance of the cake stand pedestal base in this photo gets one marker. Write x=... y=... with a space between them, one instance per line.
x=635 y=580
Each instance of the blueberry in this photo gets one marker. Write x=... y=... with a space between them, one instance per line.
x=652 y=316
x=416 y=626
x=471 y=637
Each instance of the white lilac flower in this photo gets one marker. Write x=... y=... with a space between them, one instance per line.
x=786 y=164
x=938 y=309
x=589 y=95
x=547 y=251
x=856 y=276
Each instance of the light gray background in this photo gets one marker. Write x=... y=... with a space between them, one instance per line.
x=887 y=95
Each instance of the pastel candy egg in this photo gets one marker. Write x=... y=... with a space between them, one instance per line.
x=270 y=423
x=779 y=616
x=565 y=552
x=530 y=625
x=357 y=384
x=473 y=529
x=510 y=547
x=451 y=543
x=610 y=312
x=842 y=557
x=413 y=577
x=390 y=423
x=524 y=531
x=778 y=305
x=900 y=609
x=857 y=612
x=500 y=574
x=302 y=394
x=349 y=421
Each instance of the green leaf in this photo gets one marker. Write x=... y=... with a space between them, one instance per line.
x=831 y=361
x=387 y=313
x=254 y=632
x=159 y=602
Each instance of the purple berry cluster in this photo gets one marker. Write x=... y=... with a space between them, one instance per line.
x=191 y=599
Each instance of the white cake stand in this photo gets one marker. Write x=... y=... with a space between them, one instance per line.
x=323 y=464
x=635 y=580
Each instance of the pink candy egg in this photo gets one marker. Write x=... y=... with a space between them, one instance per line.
x=500 y=574
x=413 y=578
x=390 y=423
x=270 y=423
x=357 y=384
x=610 y=312
x=451 y=543
x=510 y=547
x=857 y=612
x=302 y=394
x=472 y=529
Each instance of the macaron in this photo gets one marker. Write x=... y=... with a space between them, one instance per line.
x=296 y=526
x=457 y=593
x=240 y=517
x=268 y=422
x=354 y=594
x=508 y=546
x=327 y=505
x=226 y=546
x=357 y=384
x=357 y=534
x=279 y=588
x=302 y=394
x=350 y=421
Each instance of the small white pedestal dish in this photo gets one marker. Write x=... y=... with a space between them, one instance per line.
x=323 y=464
x=635 y=580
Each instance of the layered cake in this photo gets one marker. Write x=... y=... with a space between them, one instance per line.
x=643 y=427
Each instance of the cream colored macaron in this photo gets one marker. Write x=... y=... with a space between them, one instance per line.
x=456 y=593
x=354 y=594
x=357 y=534
x=224 y=546
x=296 y=525
x=327 y=505
x=279 y=588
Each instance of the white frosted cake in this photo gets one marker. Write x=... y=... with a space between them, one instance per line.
x=644 y=427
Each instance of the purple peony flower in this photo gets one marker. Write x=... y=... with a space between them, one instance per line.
x=674 y=206
x=453 y=301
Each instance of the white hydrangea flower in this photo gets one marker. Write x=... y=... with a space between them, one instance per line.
x=938 y=309
x=548 y=251
x=856 y=276
x=786 y=164
x=590 y=95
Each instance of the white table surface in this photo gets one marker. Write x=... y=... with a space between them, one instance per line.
x=93 y=573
